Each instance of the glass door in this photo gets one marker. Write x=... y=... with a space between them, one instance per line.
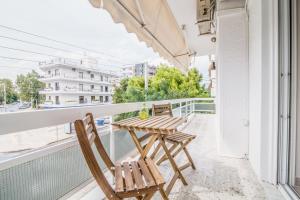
x=294 y=136
x=289 y=99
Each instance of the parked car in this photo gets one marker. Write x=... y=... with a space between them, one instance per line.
x=25 y=105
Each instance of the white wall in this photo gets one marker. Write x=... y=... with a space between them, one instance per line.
x=232 y=82
x=255 y=86
x=263 y=88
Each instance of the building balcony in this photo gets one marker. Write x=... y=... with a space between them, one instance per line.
x=67 y=77
x=41 y=159
x=75 y=90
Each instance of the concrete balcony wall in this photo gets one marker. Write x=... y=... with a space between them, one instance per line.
x=53 y=170
x=232 y=82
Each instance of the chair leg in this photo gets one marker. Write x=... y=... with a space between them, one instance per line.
x=170 y=158
x=189 y=157
x=165 y=157
x=163 y=193
x=156 y=150
x=148 y=196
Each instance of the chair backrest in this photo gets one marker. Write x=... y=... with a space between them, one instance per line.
x=87 y=135
x=163 y=109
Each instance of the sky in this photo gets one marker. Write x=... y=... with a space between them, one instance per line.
x=74 y=22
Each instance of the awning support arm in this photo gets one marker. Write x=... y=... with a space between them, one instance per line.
x=140 y=12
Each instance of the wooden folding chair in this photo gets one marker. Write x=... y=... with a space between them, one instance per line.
x=139 y=179
x=177 y=139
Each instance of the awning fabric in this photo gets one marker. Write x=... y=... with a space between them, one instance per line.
x=153 y=22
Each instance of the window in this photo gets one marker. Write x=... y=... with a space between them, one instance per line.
x=106 y=88
x=56 y=99
x=81 y=75
x=49 y=98
x=49 y=85
x=92 y=87
x=56 y=72
x=92 y=75
x=106 y=98
x=49 y=72
x=93 y=98
x=56 y=86
x=81 y=99
x=101 y=88
x=80 y=87
x=101 y=78
x=101 y=99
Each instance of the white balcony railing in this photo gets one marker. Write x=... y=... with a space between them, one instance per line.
x=42 y=118
x=75 y=78
x=56 y=160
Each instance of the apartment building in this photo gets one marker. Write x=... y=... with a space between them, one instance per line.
x=138 y=70
x=74 y=82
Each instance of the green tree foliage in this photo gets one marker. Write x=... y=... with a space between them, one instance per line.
x=11 y=94
x=168 y=83
x=29 y=87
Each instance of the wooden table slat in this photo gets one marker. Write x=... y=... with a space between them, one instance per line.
x=149 y=121
x=132 y=121
x=175 y=125
x=163 y=123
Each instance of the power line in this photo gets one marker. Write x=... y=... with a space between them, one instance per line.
x=44 y=54
x=46 y=46
x=54 y=40
x=19 y=59
x=16 y=67
x=34 y=43
x=28 y=51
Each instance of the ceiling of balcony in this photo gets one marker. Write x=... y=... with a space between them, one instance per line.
x=187 y=17
x=189 y=12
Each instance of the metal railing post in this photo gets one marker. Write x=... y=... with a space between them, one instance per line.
x=193 y=106
x=180 y=107
x=186 y=108
x=111 y=140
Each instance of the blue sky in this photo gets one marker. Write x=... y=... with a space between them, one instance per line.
x=75 y=22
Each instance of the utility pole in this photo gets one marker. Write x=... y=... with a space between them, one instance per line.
x=4 y=91
x=146 y=79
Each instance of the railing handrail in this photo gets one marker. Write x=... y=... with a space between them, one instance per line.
x=28 y=120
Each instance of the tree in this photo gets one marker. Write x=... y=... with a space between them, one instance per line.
x=192 y=87
x=11 y=94
x=29 y=87
x=119 y=93
x=168 y=83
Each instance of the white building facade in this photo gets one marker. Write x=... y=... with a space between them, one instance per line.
x=139 y=69
x=75 y=82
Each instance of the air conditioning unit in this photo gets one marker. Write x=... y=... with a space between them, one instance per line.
x=74 y=69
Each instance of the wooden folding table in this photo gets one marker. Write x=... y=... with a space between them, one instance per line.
x=156 y=128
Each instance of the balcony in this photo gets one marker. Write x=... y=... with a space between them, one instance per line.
x=43 y=160
x=75 y=90
x=72 y=78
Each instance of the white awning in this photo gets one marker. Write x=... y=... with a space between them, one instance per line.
x=153 y=22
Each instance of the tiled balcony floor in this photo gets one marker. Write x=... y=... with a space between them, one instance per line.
x=216 y=177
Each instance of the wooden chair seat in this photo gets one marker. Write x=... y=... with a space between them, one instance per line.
x=179 y=137
x=136 y=177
